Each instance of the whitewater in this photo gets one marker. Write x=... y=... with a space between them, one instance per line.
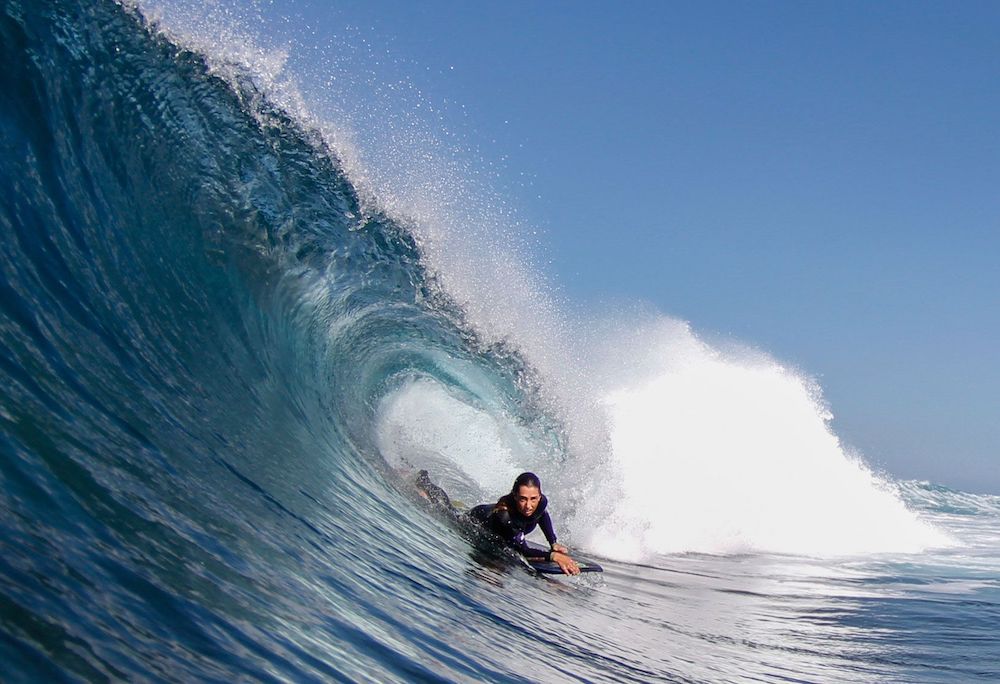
x=232 y=328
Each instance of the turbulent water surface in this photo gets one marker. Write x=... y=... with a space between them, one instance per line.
x=222 y=355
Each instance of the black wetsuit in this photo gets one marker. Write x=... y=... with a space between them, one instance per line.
x=512 y=527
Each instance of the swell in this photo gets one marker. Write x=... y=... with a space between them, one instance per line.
x=198 y=323
x=208 y=343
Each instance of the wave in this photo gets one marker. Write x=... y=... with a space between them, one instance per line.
x=230 y=262
x=224 y=332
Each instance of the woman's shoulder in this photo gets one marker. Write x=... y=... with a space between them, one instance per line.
x=543 y=504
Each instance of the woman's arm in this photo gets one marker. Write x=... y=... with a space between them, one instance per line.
x=565 y=563
x=545 y=522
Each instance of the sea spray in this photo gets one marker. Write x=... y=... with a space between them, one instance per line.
x=208 y=348
x=666 y=444
x=729 y=452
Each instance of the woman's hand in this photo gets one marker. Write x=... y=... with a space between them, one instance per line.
x=565 y=563
x=560 y=548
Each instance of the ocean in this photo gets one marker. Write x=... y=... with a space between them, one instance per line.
x=226 y=349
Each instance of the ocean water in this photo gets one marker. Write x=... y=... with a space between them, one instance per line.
x=226 y=344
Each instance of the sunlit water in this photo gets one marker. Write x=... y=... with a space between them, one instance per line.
x=228 y=339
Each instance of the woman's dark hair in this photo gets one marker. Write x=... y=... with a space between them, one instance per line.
x=523 y=480
x=526 y=480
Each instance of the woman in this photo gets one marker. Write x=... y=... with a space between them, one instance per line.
x=518 y=513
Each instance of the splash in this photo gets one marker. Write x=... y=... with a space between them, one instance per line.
x=670 y=445
x=732 y=452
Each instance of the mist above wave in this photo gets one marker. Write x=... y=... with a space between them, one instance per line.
x=669 y=444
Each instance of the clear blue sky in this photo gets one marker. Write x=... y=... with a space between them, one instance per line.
x=819 y=180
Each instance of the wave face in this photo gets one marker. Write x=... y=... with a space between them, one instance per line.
x=198 y=325
x=219 y=354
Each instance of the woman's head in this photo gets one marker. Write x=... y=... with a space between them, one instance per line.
x=527 y=493
x=526 y=480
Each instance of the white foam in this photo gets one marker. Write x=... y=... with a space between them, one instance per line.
x=469 y=451
x=728 y=453
x=674 y=445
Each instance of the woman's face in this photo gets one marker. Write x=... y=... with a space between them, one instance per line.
x=527 y=499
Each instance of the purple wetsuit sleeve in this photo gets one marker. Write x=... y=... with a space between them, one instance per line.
x=546 y=524
x=529 y=552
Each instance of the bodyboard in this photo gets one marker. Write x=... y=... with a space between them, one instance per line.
x=545 y=567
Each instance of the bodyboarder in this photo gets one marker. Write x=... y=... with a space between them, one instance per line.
x=516 y=514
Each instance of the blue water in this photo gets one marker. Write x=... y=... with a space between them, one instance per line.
x=219 y=365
